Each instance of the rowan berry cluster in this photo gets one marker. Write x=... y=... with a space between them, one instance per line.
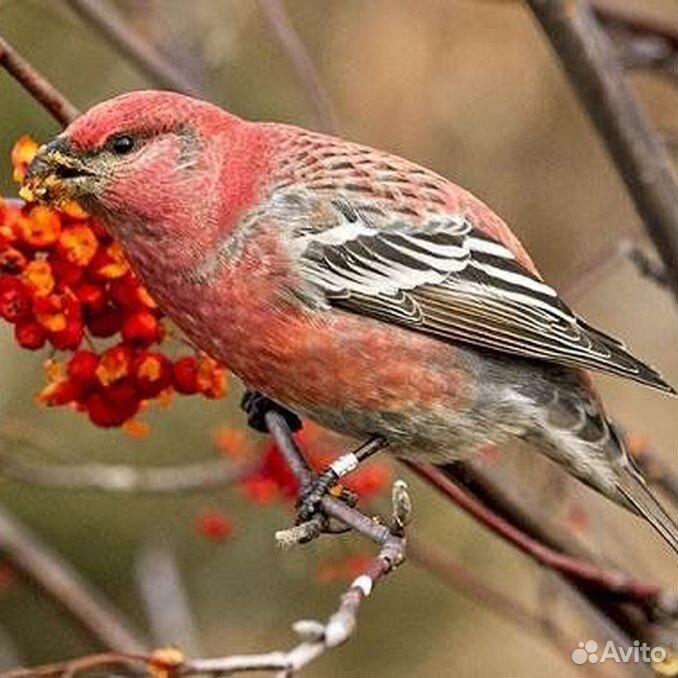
x=65 y=283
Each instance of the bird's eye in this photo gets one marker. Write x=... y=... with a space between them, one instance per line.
x=121 y=145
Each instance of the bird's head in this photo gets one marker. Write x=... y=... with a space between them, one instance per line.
x=139 y=159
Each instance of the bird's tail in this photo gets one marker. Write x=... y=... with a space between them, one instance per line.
x=637 y=496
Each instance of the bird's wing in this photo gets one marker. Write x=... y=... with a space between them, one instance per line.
x=450 y=279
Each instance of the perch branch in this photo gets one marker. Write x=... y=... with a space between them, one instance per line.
x=586 y=55
x=159 y=70
x=36 y=85
x=46 y=568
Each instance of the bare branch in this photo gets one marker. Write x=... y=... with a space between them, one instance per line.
x=471 y=586
x=36 y=85
x=62 y=583
x=160 y=71
x=198 y=477
x=587 y=57
x=614 y=583
x=276 y=15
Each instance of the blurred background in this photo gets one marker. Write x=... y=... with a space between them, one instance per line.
x=470 y=89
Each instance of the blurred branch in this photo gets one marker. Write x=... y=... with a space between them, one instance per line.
x=623 y=619
x=316 y=637
x=282 y=28
x=186 y=479
x=36 y=85
x=198 y=477
x=647 y=267
x=472 y=587
x=586 y=55
x=160 y=71
x=637 y=19
x=61 y=583
x=165 y=598
x=586 y=574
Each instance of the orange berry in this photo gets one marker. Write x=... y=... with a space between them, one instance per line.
x=41 y=228
x=22 y=154
x=114 y=364
x=58 y=393
x=108 y=263
x=231 y=442
x=211 y=378
x=152 y=374
x=78 y=244
x=38 y=274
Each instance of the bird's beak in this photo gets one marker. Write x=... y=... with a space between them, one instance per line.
x=56 y=174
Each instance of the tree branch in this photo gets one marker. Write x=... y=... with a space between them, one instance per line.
x=46 y=568
x=586 y=56
x=36 y=85
x=160 y=71
x=613 y=583
x=282 y=28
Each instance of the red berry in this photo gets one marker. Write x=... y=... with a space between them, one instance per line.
x=152 y=374
x=30 y=335
x=106 y=323
x=70 y=337
x=81 y=368
x=125 y=293
x=15 y=299
x=186 y=375
x=92 y=297
x=65 y=273
x=106 y=413
x=11 y=260
x=140 y=327
x=214 y=526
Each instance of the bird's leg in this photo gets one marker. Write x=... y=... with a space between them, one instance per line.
x=256 y=405
x=322 y=484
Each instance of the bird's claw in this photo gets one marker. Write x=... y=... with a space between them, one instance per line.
x=308 y=505
x=256 y=406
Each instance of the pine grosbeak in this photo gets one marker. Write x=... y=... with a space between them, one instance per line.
x=350 y=285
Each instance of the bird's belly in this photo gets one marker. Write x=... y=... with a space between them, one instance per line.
x=352 y=374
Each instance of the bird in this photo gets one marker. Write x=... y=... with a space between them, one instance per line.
x=350 y=285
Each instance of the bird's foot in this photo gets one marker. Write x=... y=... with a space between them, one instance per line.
x=328 y=481
x=256 y=405
x=308 y=504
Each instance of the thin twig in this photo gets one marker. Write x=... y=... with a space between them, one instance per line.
x=276 y=15
x=160 y=71
x=36 y=560
x=36 y=85
x=587 y=57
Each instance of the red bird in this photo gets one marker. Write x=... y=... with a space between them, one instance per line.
x=350 y=285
